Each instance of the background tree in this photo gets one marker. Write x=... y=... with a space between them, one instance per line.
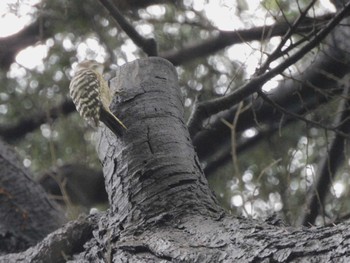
x=265 y=146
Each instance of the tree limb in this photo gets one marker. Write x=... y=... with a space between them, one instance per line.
x=329 y=164
x=11 y=45
x=292 y=29
x=297 y=95
x=31 y=123
x=205 y=109
x=26 y=212
x=227 y=38
x=148 y=45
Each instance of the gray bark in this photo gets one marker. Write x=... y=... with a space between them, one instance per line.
x=26 y=213
x=161 y=208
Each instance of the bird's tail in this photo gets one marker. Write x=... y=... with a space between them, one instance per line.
x=112 y=122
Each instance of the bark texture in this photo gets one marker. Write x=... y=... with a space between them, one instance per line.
x=154 y=168
x=26 y=213
x=161 y=207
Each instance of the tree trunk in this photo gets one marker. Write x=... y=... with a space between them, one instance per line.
x=161 y=208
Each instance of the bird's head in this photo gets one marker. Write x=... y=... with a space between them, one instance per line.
x=90 y=64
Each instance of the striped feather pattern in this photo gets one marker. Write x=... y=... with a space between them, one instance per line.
x=84 y=91
x=92 y=96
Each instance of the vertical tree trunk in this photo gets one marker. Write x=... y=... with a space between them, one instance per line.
x=152 y=170
x=161 y=207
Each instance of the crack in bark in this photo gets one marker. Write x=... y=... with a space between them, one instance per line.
x=136 y=249
x=148 y=141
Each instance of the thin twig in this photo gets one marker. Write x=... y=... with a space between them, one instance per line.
x=234 y=142
x=297 y=116
x=328 y=166
x=224 y=39
x=208 y=108
x=278 y=50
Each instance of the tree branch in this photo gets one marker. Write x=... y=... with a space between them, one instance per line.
x=11 y=45
x=223 y=155
x=205 y=109
x=334 y=128
x=292 y=29
x=297 y=95
x=26 y=212
x=24 y=126
x=228 y=38
x=329 y=163
x=83 y=185
x=148 y=45
x=59 y=245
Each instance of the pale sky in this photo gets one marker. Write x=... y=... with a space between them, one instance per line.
x=220 y=12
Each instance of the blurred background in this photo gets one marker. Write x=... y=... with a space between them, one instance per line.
x=265 y=155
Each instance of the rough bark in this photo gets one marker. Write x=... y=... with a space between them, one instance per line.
x=161 y=207
x=156 y=154
x=59 y=245
x=26 y=213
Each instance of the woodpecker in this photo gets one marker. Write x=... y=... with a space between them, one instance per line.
x=92 y=96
